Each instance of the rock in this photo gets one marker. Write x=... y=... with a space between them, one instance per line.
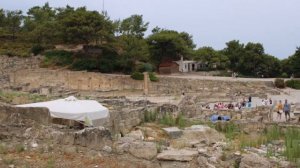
x=34 y=144
x=174 y=164
x=203 y=152
x=70 y=149
x=11 y=166
x=173 y=132
x=150 y=139
x=107 y=149
x=27 y=157
x=177 y=155
x=237 y=153
x=254 y=160
x=137 y=135
x=258 y=119
x=284 y=163
x=27 y=133
x=198 y=127
x=203 y=134
x=144 y=150
x=203 y=163
x=121 y=148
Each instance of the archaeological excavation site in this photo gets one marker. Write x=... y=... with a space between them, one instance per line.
x=179 y=121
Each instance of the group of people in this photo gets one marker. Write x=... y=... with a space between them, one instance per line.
x=283 y=108
x=235 y=106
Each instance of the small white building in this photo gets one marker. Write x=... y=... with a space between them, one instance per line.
x=189 y=65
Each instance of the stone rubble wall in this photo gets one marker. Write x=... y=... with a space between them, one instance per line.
x=90 y=81
x=12 y=64
x=19 y=116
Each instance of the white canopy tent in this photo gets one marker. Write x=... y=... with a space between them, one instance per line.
x=73 y=109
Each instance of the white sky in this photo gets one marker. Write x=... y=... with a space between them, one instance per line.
x=274 y=23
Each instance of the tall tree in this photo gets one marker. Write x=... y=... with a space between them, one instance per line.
x=134 y=26
x=13 y=22
x=234 y=51
x=40 y=24
x=81 y=26
x=169 y=44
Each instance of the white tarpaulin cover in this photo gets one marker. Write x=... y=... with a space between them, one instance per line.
x=73 y=109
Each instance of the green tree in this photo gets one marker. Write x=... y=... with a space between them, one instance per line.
x=211 y=57
x=135 y=50
x=133 y=26
x=234 y=51
x=82 y=26
x=169 y=44
x=41 y=25
x=292 y=64
x=13 y=22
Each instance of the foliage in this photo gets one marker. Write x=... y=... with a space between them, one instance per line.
x=295 y=84
x=279 y=83
x=153 y=77
x=229 y=128
x=150 y=116
x=292 y=145
x=137 y=76
x=251 y=60
x=20 y=148
x=213 y=59
x=133 y=26
x=144 y=67
x=3 y=149
x=169 y=44
x=168 y=120
x=58 y=58
x=37 y=49
x=291 y=64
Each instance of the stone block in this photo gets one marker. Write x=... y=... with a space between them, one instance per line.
x=173 y=132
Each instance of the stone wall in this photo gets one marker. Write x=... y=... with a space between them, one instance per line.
x=73 y=80
x=12 y=64
x=21 y=116
x=89 y=81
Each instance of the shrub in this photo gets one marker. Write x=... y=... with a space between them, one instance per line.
x=145 y=67
x=150 y=116
x=284 y=75
x=20 y=148
x=292 y=146
x=279 y=83
x=153 y=77
x=168 y=120
x=180 y=121
x=137 y=76
x=58 y=57
x=295 y=84
x=37 y=49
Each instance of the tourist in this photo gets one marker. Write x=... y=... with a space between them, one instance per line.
x=262 y=102
x=270 y=102
x=287 y=109
x=279 y=109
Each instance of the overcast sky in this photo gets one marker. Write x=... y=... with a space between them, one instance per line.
x=274 y=23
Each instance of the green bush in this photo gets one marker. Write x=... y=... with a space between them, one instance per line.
x=153 y=77
x=168 y=120
x=58 y=57
x=279 y=83
x=82 y=64
x=37 y=49
x=292 y=145
x=137 y=76
x=145 y=67
x=284 y=75
x=295 y=84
